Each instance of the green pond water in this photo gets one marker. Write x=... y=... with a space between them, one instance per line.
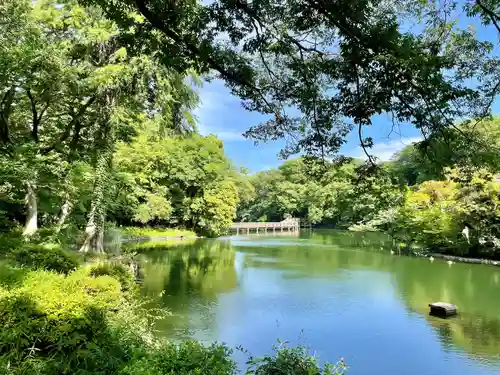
x=340 y=293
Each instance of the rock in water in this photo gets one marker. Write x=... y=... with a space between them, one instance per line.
x=443 y=309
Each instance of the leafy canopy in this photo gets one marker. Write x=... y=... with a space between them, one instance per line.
x=320 y=69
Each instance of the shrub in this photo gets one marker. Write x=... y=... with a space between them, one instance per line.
x=118 y=271
x=56 y=324
x=457 y=216
x=10 y=275
x=187 y=358
x=295 y=361
x=9 y=241
x=78 y=324
x=39 y=257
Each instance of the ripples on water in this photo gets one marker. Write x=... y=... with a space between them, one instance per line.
x=340 y=293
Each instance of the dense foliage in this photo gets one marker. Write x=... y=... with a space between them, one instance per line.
x=335 y=64
x=91 y=130
x=342 y=196
x=469 y=145
x=458 y=215
x=90 y=322
x=175 y=181
x=441 y=194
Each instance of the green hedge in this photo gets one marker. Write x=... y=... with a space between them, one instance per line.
x=40 y=257
x=118 y=271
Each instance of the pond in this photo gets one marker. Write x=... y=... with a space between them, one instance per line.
x=340 y=293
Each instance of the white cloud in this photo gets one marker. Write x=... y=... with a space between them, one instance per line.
x=384 y=150
x=225 y=136
x=230 y=136
x=216 y=102
x=205 y=128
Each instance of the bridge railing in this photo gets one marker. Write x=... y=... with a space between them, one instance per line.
x=289 y=223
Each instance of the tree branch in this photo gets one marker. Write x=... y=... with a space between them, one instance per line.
x=69 y=126
x=360 y=124
x=195 y=52
x=47 y=105
x=322 y=9
x=363 y=146
x=34 y=130
x=492 y=15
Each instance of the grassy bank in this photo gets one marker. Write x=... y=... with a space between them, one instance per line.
x=150 y=232
x=62 y=315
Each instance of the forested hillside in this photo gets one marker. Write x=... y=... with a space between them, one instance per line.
x=442 y=193
x=93 y=134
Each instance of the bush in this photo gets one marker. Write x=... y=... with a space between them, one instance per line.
x=9 y=241
x=118 y=271
x=187 y=358
x=295 y=361
x=39 y=257
x=10 y=275
x=53 y=324
x=458 y=216
x=78 y=324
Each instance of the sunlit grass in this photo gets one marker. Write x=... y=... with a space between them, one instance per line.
x=136 y=232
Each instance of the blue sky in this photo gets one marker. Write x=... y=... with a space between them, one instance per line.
x=221 y=114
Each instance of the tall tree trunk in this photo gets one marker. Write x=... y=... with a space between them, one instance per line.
x=63 y=215
x=31 y=225
x=94 y=232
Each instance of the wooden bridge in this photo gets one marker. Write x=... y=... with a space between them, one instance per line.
x=289 y=225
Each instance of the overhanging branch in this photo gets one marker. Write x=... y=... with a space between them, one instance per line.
x=195 y=53
x=495 y=18
x=69 y=126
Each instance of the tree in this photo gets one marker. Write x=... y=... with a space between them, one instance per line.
x=69 y=95
x=45 y=90
x=178 y=180
x=472 y=144
x=338 y=64
x=412 y=166
x=344 y=195
x=214 y=211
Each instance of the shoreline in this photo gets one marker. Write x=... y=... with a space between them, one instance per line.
x=158 y=238
x=459 y=259
x=454 y=258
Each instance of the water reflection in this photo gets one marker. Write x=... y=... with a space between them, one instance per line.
x=341 y=285
x=476 y=335
x=319 y=253
x=473 y=288
x=188 y=277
